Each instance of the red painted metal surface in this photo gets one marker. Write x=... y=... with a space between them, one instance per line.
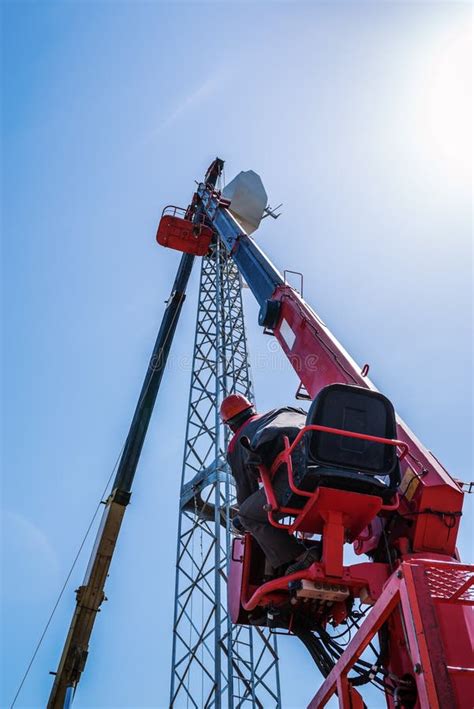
x=177 y=232
x=427 y=520
x=379 y=614
x=318 y=516
x=426 y=605
x=368 y=541
x=327 y=507
x=235 y=582
x=347 y=434
x=434 y=626
x=427 y=489
x=425 y=609
x=367 y=578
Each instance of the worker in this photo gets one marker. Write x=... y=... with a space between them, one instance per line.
x=259 y=438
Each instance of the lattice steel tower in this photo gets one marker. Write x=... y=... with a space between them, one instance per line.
x=214 y=664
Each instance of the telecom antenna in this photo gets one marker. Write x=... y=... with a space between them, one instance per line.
x=214 y=663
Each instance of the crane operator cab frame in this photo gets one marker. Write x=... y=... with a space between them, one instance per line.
x=343 y=468
x=343 y=471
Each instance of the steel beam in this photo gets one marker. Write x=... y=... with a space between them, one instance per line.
x=214 y=664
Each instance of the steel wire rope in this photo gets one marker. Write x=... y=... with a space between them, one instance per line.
x=326 y=658
x=63 y=588
x=364 y=668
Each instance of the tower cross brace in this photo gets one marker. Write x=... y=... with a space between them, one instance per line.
x=214 y=664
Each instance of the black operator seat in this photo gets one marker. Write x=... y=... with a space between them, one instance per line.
x=344 y=463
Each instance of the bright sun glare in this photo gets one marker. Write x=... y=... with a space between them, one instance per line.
x=445 y=103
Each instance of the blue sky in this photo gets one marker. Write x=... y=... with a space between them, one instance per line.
x=357 y=116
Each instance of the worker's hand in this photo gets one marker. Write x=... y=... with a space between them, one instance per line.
x=236 y=526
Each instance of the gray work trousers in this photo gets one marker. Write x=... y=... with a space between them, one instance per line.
x=278 y=546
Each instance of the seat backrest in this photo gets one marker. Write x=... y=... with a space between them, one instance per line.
x=360 y=410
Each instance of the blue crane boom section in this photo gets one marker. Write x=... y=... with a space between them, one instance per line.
x=257 y=270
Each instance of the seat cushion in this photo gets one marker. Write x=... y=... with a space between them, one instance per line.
x=320 y=476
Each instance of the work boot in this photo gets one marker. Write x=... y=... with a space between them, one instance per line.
x=305 y=560
x=258 y=617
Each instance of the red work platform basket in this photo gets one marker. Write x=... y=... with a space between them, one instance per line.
x=177 y=232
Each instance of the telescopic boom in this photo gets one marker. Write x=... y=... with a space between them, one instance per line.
x=90 y=595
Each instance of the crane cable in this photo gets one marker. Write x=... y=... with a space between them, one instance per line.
x=63 y=588
x=325 y=652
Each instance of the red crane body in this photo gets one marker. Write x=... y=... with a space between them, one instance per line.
x=423 y=598
x=430 y=495
x=432 y=585
x=420 y=594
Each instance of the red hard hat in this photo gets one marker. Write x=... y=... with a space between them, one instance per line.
x=233 y=405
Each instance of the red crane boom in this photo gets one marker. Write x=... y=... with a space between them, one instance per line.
x=422 y=595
